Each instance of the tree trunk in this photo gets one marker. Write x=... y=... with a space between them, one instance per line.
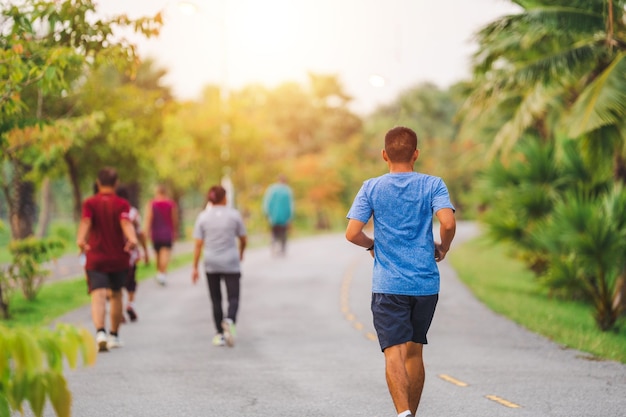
x=72 y=169
x=45 y=209
x=619 y=297
x=619 y=168
x=22 y=208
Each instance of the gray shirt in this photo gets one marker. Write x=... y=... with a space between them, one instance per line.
x=219 y=227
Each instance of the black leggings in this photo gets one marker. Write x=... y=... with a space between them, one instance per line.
x=231 y=280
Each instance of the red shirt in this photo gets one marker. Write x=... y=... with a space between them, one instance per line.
x=106 y=240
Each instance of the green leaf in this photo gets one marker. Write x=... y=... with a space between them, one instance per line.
x=60 y=396
x=36 y=394
x=4 y=405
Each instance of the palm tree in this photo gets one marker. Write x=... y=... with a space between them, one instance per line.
x=557 y=70
x=558 y=65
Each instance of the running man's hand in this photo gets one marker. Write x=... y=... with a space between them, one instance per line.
x=440 y=252
x=195 y=275
x=130 y=245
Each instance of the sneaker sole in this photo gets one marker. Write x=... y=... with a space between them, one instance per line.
x=103 y=346
x=131 y=315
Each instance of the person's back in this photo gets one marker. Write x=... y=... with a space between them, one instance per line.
x=162 y=224
x=219 y=226
x=278 y=204
x=405 y=279
x=106 y=238
x=403 y=205
x=278 y=208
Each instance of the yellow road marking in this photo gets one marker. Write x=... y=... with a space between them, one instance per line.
x=502 y=401
x=454 y=381
x=371 y=336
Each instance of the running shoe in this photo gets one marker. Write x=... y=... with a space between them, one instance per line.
x=161 y=279
x=101 y=341
x=229 y=331
x=114 y=342
x=218 y=340
x=131 y=313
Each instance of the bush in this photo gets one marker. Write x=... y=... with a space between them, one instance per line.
x=31 y=367
x=28 y=256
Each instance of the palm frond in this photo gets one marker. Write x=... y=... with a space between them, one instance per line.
x=603 y=102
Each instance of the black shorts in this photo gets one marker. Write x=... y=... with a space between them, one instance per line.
x=160 y=245
x=112 y=280
x=402 y=318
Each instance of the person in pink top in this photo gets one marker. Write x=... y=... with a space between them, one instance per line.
x=162 y=226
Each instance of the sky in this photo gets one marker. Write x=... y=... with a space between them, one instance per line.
x=239 y=42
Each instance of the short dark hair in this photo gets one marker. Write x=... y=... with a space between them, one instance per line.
x=122 y=191
x=400 y=144
x=216 y=194
x=107 y=177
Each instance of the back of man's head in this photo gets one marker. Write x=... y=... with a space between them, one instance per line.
x=400 y=144
x=107 y=177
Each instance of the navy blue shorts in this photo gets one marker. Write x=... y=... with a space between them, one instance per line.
x=402 y=318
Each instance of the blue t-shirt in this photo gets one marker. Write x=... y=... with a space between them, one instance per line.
x=403 y=205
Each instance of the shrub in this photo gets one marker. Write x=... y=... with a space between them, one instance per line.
x=31 y=367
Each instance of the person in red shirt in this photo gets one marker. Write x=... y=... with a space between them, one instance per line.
x=106 y=236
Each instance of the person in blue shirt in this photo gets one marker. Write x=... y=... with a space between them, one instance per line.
x=405 y=279
x=278 y=208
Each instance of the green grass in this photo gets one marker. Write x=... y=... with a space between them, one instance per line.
x=58 y=298
x=505 y=286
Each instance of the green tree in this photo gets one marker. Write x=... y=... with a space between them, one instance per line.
x=557 y=66
x=44 y=50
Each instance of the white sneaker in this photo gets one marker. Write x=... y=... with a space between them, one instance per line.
x=229 y=331
x=114 y=342
x=160 y=278
x=101 y=341
x=218 y=340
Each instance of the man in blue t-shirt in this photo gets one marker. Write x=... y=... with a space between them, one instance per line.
x=278 y=208
x=405 y=282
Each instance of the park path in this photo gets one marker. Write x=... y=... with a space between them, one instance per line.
x=305 y=347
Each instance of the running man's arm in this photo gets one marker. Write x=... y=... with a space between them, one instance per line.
x=83 y=231
x=148 y=221
x=356 y=235
x=447 y=229
x=175 y=221
x=197 y=250
x=129 y=231
x=243 y=241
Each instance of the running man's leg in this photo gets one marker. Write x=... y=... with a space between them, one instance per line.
x=98 y=307
x=282 y=238
x=117 y=281
x=163 y=259
x=116 y=310
x=414 y=363
x=397 y=376
x=215 y=292
x=131 y=287
x=232 y=292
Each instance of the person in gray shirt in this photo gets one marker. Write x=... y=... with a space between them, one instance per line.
x=216 y=232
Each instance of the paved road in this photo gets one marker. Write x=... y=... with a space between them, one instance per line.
x=305 y=348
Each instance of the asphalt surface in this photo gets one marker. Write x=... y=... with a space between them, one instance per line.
x=305 y=347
